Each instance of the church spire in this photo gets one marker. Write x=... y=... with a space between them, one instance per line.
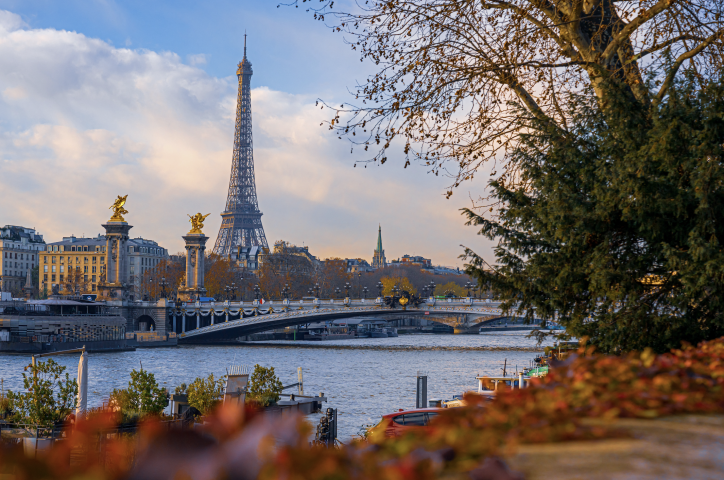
x=379 y=260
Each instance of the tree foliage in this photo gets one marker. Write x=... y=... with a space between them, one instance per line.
x=143 y=396
x=221 y=273
x=616 y=227
x=287 y=266
x=204 y=393
x=403 y=283
x=332 y=274
x=75 y=280
x=447 y=70
x=48 y=398
x=449 y=288
x=149 y=284
x=264 y=386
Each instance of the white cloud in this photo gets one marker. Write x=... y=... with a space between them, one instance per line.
x=9 y=22
x=82 y=121
x=197 y=59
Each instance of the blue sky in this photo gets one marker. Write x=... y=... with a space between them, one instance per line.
x=290 y=51
x=99 y=98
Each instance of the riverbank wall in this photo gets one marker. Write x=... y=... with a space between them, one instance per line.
x=49 y=347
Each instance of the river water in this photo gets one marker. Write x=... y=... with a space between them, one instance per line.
x=362 y=378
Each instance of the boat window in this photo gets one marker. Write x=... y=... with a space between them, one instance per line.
x=414 y=419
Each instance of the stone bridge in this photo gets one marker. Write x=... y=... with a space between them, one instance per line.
x=218 y=321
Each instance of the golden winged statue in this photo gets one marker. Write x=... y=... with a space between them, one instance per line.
x=118 y=210
x=197 y=222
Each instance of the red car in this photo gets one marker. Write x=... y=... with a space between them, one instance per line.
x=398 y=423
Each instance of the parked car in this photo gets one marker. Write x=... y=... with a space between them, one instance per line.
x=398 y=423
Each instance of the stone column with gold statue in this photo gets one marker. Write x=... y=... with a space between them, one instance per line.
x=116 y=283
x=195 y=252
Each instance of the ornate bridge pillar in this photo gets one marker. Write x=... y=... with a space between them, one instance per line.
x=116 y=282
x=195 y=253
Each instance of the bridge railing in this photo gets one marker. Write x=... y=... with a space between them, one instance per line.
x=336 y=302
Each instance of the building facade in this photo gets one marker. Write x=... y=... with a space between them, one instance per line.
x=379 y=260
x=79 y=263
x=413 y=260
x=355 y=265
x=247 y=258
x=20 y=250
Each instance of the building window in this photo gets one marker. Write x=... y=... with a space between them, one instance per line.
x=93 y=269
x=93 y=278
x=45 y=277
x=21 y=256
x=85 y=278
x=62 y=268
x=62 y=259
x=103 y=259
x=45 y=259
x=85 y=269
x=53 y=259
x=133 y=269
x=94 y=259
x=32 y=257
x=45 y=269
x=93 y=287
x=52 y=278
x=85 y=260
x=53 y=270
x=61 y=278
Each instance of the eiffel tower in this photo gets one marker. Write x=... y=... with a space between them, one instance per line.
x=241 y=220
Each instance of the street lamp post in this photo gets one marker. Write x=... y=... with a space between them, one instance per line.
x=316 y=290
x=346 y=289
x=468 y=285
x=164 y=284
x=285 y=292
x=336 y=292
x=256 y=292
x=364 y=292
x=379 y=288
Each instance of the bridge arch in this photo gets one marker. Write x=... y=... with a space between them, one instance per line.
x=257 y=318
x=145 y=323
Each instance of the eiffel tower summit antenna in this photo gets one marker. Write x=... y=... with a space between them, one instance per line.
x=241 y=219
